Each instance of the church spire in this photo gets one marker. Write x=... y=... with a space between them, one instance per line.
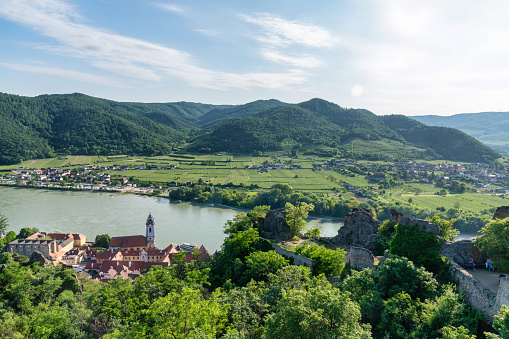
x=151 y=239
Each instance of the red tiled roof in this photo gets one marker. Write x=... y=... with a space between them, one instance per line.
x=59 y=236
x=128 y=241
x=108 y=255
x=78 y=236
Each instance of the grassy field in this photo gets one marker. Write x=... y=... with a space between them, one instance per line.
x=475 y=202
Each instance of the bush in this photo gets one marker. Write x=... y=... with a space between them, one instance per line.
x=422 y=248
x=382 y=244
x=329 y=262
x=387 y=228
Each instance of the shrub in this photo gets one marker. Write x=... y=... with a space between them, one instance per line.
x=422 y=248
x=387 y=228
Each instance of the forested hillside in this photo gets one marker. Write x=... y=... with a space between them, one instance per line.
x=491 y=128
x=448 y=143
x=79 y=124
x=317 y=123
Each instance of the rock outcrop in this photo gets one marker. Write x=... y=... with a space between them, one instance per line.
x=424 y=225
x=38 y=257
x=502 y=212
x=274 y=225
x=358 y=229
x=459 y=251
x=360 y=258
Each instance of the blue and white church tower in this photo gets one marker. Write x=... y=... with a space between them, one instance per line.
x=151 y=239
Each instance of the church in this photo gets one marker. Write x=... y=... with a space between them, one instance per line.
x=136 y=242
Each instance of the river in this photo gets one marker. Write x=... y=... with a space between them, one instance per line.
x=93 y=213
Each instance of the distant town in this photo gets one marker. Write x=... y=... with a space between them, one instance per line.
x=125 y=256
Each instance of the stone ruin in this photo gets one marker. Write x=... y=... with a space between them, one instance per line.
x=424 y=225
x=502 y=212
x=274 y=225
x=359 y=230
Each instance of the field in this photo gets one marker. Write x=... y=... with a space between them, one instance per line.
x=220 y=169
x=475 y=202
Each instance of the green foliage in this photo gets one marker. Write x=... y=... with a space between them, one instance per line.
x=102 y=240
x=325 y=261
x=382 y=244
x=446 y=230
x=260 y=264
x=495 y=240
x=422 y=248
x=180 y=314
x=451 y=332
x=4 y=223
x=320 y=312
x=5 y=258
x=313 y=233
x=295 y=216
x=501 y=323
x=25 y=232
x=387 y=228
x=395 y=275
x=242 y=221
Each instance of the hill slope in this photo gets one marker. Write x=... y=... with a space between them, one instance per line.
x=79 y=124
x=317 y=123
x=491 y=128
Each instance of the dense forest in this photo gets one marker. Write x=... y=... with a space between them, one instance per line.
x=78 y=124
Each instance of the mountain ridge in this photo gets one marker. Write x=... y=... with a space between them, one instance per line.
x=79 y=124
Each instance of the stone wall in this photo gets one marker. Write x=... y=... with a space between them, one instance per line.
x=503 y=293
x=476 y=295
x=298 y=259
x=360 y=258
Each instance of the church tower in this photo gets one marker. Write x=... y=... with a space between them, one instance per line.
x=151 y=239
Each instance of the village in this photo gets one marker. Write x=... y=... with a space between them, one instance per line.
x=127 y=257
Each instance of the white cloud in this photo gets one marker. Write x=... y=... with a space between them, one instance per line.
x=303 y=60
x=170 y=7
x=125 y=55
x=206 y=32
x=279 y=36
x=64 y=73
x=281 y=32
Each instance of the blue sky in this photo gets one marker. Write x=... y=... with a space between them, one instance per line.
x=391 y=57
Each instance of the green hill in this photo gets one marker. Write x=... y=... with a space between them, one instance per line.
x=222 y=114
x=491 y=128
x=317 y=124
x=79 y=124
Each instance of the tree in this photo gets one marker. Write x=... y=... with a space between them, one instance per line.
x=4 y=223
x=421 y=247
x=295 y=216
x=446 y=230
x=495 y=240
x=242 y=221
x=260 y=264
x=25 y=232
x=102 y=240
x=318 y=312
x=326 y=261
x=396 y=274
x=180 y=315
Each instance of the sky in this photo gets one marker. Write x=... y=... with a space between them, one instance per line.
x=439 y=57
